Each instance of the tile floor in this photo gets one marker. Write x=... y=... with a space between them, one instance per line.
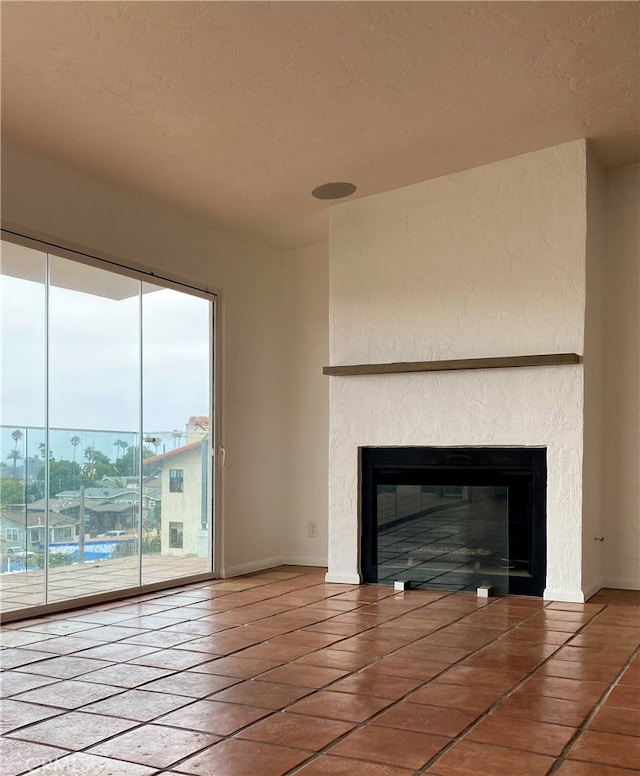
x=279 y=673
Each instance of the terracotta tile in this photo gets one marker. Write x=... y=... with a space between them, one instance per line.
x=214 y=717
x=338 y=705
x=17 y=756
x=125 y=675
x=303 y=675
x=240 y=758
x=283 y=653
x=627 y=697
x=69 y=694
x=422 y=670
x=600 y=655
x=328 y=765
x=523 y=734
x=16 y=714
x=479 y=677
x=335 y=658
x=174 y=659
x=154 y=745
x=241 y=667
x=607 y=748
x=75 y=730
x=139 y=705
x=297 y=731
x=552 y=710
x=422 y=718
x=268 y=695
x=91 y=765
x=572 y=669
x=159 y=639
x=65 y=667
x=115 y=653
x=20 y=638
x=379 y=685
x=13 y=658
x=631 y=676
x=63 y=645
x=390 y=746
x=468 y=758
x=362 y=646
x=13 y=682
x=450 y=695
x=611 y=719
x=575 y=768
x=569 y=689
x=191 y=684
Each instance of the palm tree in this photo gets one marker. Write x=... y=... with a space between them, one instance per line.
x=90 y=455
x=14 y=455
x=75 y=441
x=121 y=445
x=16 y=436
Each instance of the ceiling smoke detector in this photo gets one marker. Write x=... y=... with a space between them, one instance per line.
x=333 y=190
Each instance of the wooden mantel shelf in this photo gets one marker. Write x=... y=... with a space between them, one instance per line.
x=499 y=362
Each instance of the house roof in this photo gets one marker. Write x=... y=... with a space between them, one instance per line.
x=235 y=111
x=33 y=520
x=173 y=453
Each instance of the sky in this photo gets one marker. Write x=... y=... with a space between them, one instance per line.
x=94 y=375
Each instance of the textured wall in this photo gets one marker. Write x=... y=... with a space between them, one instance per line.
x=621 y=511
x=486 y=262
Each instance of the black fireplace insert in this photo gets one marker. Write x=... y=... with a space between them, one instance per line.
x=455 y=518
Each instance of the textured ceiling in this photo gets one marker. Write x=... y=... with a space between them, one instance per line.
x=235 y=111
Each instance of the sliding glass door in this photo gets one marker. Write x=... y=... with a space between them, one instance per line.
x=106 y=477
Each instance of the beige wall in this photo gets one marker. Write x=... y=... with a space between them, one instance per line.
x=592 y=500
x=40 y=195
x=621 y=511
x=306 y=342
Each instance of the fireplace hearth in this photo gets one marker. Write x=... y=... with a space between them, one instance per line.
x=454 y=518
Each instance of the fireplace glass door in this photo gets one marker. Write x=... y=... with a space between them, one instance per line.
x=448 y=520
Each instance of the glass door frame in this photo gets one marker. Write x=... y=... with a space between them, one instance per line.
x=215 y=450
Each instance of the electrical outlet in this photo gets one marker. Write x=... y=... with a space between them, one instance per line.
x=312 y=529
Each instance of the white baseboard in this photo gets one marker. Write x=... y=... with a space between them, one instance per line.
x=566 y=596
x=250 y=568
x=622 y=583
x=342 y=579
x=592 y=589
x=304 y=560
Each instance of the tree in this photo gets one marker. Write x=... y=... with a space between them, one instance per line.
x=75 y=441
x=128 y=464
x=63 y=475
x=121 y=445
x=11 y=492
x=16 y=436
x=15 y=456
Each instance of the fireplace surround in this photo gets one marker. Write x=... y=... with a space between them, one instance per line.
x=454 y=518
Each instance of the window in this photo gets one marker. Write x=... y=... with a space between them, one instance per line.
x=175 y=536
x=12 y=534
x=176 y=481
x=85 y=444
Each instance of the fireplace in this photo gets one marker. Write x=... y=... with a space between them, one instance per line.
x=454 y=518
